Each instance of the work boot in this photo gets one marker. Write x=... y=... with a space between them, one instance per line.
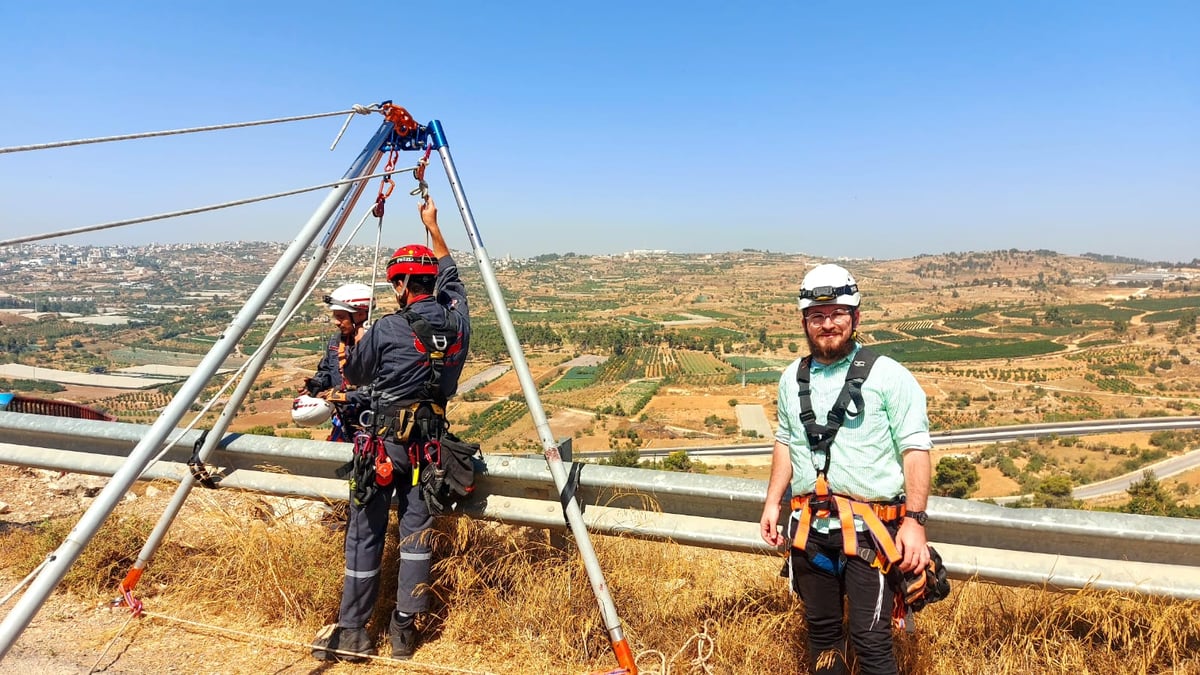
x=404 y=636
x=336 y=643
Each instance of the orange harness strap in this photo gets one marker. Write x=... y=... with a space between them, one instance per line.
x=805 y=506
x=884 y=542
x=873 y=516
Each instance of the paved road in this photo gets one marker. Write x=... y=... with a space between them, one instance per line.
x=753 y=416
x=1167 y=467
x=483 y=377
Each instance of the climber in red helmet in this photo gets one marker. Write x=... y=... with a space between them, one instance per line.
x=409 y=362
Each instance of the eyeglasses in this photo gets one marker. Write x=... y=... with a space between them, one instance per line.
x=819 y=318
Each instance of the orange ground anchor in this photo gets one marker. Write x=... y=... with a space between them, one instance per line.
x=624 y=658
x=127 y=585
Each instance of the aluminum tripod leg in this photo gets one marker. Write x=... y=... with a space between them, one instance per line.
x=574 y=515
x=253 y=369
x=61 y=560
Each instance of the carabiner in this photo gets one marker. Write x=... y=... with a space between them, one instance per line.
x=430 y=448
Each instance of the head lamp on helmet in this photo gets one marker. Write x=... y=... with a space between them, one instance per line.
x=412 y=260
x=829 y=285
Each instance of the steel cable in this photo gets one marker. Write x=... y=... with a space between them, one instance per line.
x=360 y=109
x=184 y=212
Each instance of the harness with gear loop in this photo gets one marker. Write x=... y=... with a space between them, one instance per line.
x=913 y=590
x=823 y=502
x=918 y=588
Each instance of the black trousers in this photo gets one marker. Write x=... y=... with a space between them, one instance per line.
x=816 y=579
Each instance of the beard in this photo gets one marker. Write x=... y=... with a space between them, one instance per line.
x=830 y=353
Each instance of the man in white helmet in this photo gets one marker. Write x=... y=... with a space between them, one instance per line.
x=853 y=445
x=350 y=304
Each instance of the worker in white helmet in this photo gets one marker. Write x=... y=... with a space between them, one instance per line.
x=350 y=305
x=853 y=445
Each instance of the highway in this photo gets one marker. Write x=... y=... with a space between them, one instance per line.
x=954 y=437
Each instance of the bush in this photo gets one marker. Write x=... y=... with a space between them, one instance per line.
x=261 y=430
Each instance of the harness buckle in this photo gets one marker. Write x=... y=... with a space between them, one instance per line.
x=822 y=506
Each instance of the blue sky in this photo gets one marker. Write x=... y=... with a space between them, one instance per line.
x=838 y=129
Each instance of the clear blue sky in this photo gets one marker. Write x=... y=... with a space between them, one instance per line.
x=879 y=129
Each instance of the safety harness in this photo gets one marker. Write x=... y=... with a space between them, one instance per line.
x=419 y=424
x=914 y=589
x=823 y=503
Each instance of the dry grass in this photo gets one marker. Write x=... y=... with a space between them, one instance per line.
x=508 y=601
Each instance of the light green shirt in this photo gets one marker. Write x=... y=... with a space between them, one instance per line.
x=867 y=460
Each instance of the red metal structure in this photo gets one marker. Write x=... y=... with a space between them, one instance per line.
x=42 y=406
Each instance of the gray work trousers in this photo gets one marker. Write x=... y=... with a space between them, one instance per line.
x=365 y=537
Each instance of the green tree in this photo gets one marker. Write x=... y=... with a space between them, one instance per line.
x=627 y=457
x=1148 y=497
x=955 y=477
x=677 y=461
x=1054 y=493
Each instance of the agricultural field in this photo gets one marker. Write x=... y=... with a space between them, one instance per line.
x=965 y=323
x=994 y=338
x=920 y=329
x=575 y=378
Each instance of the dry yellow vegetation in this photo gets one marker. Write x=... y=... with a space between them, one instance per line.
x=238 y=590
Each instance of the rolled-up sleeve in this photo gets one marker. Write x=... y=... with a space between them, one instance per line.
x=908 y=414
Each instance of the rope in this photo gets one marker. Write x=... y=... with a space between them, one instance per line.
x=705 y=646
x=374 y=267
x=111 y=642
x=185 y=212
x=405 y=666
x=267 y=337
x=26 y=580
x=360 y=109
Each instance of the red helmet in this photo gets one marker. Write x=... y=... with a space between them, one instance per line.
x=412 y=260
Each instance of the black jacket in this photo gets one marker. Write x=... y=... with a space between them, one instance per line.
x=390 y=360
x=329 y=375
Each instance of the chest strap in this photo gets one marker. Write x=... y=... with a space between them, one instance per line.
x=849 y=402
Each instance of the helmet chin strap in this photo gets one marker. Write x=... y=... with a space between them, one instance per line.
x=401 y=293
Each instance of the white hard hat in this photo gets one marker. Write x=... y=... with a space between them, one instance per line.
x=829 y=284
x=310 y=411
x=350 y=298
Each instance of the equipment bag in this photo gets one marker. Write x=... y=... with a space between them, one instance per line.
x=449 y=477
x=918 y=588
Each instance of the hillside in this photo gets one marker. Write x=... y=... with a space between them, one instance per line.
x=661 y=351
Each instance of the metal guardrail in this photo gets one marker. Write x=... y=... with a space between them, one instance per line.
x=1040 y=547
x=952 y=437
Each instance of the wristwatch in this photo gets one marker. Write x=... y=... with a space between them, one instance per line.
x=919 y=516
